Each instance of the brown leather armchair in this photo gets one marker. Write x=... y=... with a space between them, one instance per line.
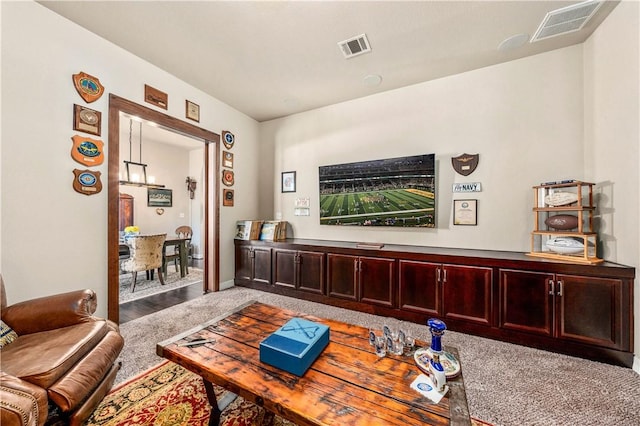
x=62 y=363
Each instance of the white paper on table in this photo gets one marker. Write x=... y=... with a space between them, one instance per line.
x=425 y=386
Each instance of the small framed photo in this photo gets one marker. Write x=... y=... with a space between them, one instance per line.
x=157 y=197
x=87 y=120
x=192 y=111
x=288 y=181
x=465 y=212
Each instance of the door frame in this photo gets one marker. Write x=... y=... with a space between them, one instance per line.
x=211 y=281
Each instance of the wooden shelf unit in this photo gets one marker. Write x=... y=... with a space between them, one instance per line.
x=567 y=307
x=583 y=208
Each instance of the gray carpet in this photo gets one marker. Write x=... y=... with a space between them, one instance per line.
x=506 y=384
x=145 y=287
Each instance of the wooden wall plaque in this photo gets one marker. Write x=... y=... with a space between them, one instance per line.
x=156 y=97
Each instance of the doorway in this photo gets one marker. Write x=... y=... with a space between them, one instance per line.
x=119 y=107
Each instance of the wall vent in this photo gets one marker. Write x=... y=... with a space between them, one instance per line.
x=566 y=20
x=355 y=46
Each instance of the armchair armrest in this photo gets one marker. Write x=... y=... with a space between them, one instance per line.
x=21 y=403
x=51 y=312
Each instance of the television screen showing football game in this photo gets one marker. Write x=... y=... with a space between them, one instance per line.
x=391 y=192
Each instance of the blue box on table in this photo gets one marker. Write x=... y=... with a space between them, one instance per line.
x=294 y=346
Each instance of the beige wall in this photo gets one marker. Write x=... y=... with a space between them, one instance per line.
x=524 y=118
x=53 y=239
x=612 y=136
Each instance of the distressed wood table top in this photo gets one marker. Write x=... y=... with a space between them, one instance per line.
x=346 y=385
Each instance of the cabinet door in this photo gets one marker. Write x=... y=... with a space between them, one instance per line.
x=341 y=276
x=311 y=271
x=126 y=211
x=419 y=287
x=244 y=263
x=262 y=265
x=467 y=293
x=284 y=268
x=590 y=310
x=525 y=301
x=377 y=281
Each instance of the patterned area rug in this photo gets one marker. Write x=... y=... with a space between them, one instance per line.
x=145 y=287
x=169 y=395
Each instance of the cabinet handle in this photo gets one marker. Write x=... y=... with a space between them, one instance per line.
x=560 y=288
x=444 y=280
x=438 y=275
x=552 y=290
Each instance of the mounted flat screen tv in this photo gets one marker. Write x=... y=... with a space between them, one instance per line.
x=391 y=192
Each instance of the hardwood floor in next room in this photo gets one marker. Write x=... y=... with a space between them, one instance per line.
x=156 y=302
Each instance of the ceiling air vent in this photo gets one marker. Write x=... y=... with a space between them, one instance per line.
x=566 y=20
x=355 y=46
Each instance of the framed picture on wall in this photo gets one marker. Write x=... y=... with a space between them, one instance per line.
x=288 y=181
x=157 y=197
x=465 y=212
x=192 y=111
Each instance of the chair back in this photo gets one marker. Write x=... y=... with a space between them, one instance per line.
x=184 y=232
x=3 y=295
x=145 y=253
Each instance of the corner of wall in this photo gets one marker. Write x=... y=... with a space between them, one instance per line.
x=226 y=285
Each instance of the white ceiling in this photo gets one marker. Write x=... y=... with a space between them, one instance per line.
x=269 y=59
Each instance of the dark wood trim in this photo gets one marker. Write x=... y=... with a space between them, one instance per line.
x=117 y=105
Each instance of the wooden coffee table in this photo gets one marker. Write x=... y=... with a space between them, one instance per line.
x=346 y=385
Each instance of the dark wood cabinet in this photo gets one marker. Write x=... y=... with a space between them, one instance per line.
x=342 y=276
x=419 y=287
x=577 y=309
x=525 y=302
x=299 y=269
x=462 y=293
x=582 y=309
x=125 y=207
x=362 y=279
x=377 y=281
x=589 y=310
x=467 y=293
x=253 y=266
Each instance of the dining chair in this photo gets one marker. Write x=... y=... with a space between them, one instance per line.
x=183 y=231
x=145 y=255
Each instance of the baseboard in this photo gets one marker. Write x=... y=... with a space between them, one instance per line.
x=636 y=364
x=226 y=284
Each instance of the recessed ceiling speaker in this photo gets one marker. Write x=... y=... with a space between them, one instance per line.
x=372 y=80
x=355 y=46
x=566 y=20
x=513 y=42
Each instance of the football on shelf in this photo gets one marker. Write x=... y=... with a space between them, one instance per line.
x=561 y=198
x=562 y=222
x=565 y=245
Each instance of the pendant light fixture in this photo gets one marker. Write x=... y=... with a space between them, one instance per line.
x=134 y=179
